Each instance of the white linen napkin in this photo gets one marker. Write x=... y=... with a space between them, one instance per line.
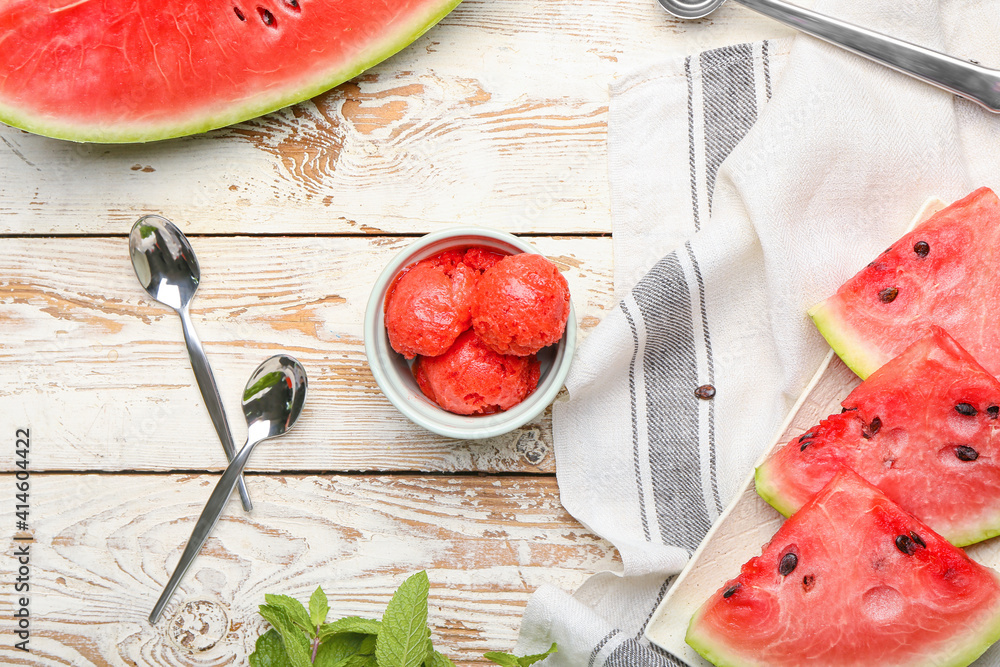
x=747 y=183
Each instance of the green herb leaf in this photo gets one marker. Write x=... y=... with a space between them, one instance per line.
x=364 y=626
x=438 y=660
x=358 y=661
x=295 y=641
x=503 y=659
x=318 y=607
x=508 y=660
x=402 y=641
x=297 y=614
x=269 y=651
x=340 y=647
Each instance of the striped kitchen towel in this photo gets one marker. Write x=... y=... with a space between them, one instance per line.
x=747 y=183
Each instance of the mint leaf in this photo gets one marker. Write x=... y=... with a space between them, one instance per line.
x=402 y=641
x=318 y=607
x=269 y=651
x=502 y=659
x=359 y=661
x=343 y=645
x=364 y=626
x=509 y=660
x=438 y=660
x=296 y=643
x=297 y=614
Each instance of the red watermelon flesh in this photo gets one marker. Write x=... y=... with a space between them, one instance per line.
x=945 y=272
x=851 y=580
x=114 y=71
x=923 y=428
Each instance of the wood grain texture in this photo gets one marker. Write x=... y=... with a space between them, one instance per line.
x=100 y=373
x=497 y=116
x=104 y=545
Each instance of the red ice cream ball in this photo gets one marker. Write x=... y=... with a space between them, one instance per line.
x=521 y=305
x=472 y=379
x=429 y=305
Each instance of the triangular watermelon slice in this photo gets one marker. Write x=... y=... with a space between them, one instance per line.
x=923 y=428
x=944 y=272
x=113 y=71
x=852 y=580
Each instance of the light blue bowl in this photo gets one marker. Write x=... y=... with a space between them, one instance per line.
x=393 y=375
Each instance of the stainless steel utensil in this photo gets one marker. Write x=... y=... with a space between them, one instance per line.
x=168 y=270
x=272 y=401
x=966 y=79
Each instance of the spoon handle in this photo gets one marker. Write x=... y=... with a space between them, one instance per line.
x=210 y=392
x=969 y=80
x=206 y=522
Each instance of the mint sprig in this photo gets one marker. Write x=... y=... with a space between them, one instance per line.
x=302 y=638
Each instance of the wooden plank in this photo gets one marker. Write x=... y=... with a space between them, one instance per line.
x=104 y=545
x=497 y=117
x=99 y=372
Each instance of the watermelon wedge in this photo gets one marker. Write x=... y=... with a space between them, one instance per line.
x=923 y=428
x=851 y=580
x=945 y=272
x=112 y=71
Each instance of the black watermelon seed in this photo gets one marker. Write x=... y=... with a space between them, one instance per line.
x=993 y=411
x=267 y=17
x=888 y=295
x=810 y=434
x=921 y=248
x=804 y=445
x=868 y=432
x=965 y=409
x=905 y=544
x=843 y=410
x=808 y=581
x=919 y=540
x=705 y=392
x=966 y=453
x=788 y=563
x=728 y=593
x=239 y=14
x=294 y=4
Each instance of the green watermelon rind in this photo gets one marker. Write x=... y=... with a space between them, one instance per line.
x=971 y=645
x=373 y=54
x=769 y=491
x=852 y=349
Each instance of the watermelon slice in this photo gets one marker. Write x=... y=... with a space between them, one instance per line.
x=851 y=580
x=113 y=71
x=944 y=272
x=923 y=429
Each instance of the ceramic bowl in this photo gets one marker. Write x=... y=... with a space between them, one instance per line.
x=393 y=374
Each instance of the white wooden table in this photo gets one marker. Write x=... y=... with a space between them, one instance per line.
x=496 y=117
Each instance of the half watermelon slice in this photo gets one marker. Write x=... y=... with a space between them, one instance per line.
x=851 y=580
x=113 y=71
x=945 y=272
x=923 y=428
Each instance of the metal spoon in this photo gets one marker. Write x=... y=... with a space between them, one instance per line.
x=963 y=78
x=165 y=265
x=272 y=401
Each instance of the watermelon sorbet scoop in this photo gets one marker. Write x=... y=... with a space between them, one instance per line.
x=471 y=379
x=521 y=305
x=473 y=320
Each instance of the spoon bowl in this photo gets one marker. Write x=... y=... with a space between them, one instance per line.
x=164 y=261
x=272 y=402
x=168 y=270
x=274 y=397
x=691 y=9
